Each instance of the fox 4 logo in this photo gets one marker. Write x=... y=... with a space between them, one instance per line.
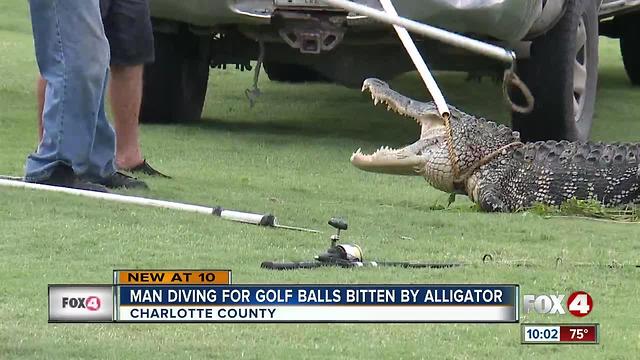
x=91 y=303
x=578 y=303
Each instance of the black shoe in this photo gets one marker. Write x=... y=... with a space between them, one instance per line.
x=64 y=176
x=145 y=168
x=120 y=180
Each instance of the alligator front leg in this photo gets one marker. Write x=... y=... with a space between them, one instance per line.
x=491 y=198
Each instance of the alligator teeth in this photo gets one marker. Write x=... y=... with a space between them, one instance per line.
x=384 y=148
x=376 y=101
x=358 y=152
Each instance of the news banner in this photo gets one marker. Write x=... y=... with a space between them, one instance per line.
x=209 y=296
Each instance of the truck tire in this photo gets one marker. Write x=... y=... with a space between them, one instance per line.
x=562 y=74
x=292 y=73
x=175 y=85
x=630 y=46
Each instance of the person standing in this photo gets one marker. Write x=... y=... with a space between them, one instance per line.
x=78 y=144
x=127 y=25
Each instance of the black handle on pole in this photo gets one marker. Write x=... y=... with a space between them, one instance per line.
x=338 y=223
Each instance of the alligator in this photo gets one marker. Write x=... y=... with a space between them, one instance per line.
x=468 y=155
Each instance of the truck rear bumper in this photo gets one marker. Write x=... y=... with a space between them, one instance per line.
x=505 y=20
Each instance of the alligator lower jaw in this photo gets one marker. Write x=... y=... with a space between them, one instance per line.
x=388 y=161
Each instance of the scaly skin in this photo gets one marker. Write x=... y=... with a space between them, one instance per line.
x=487 y=161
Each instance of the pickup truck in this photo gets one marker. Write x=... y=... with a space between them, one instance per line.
x=556 y=42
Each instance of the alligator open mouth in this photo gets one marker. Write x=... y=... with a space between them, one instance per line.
x=406 y=160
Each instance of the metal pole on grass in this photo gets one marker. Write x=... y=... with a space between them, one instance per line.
x=238 y=216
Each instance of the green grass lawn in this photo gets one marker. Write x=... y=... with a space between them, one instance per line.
x=289 y=156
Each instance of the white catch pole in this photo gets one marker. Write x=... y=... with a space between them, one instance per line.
x=418 y=61
x=248 y=218
x=108 y=196
x=447 y=37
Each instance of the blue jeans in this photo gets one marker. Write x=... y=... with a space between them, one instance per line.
x=73 y=56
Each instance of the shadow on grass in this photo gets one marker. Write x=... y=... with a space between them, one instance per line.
x=360 y=131
x=610 y=78
x=360 y=123
x=358 y=120
x=361 y=120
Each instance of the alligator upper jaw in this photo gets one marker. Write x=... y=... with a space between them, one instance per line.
x=388 y=161
x=403 y=161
